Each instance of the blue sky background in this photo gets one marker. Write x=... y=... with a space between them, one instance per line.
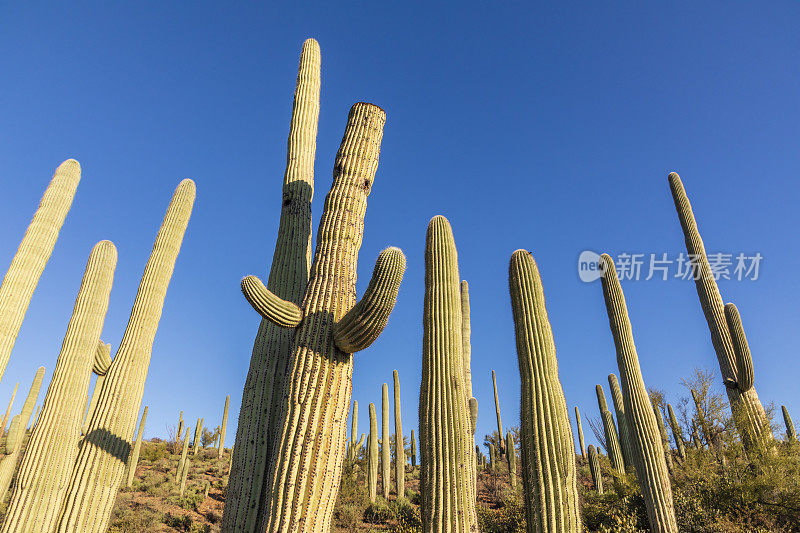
x=528 y=125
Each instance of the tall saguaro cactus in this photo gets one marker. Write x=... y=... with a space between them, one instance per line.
x=49 y=458
x=258 y=427
x=647 y=448
x=791 y=434
x=512 y=460
x=134 y=455
x=446 y=440
x=328 y=327
x=677 y=433
x=372 y=454
x=580 y=432
x=622 y=422
x=414 y=449
x=13 y=445
x=750 y=417
x=594 y=469
x=184 y=455
x=352 y=445
x=100 y=466
x=386 y=458
x=549 y=473
x=501 y=446
x=466 y=336
x=198 y=434
x=223 y=429
x=399 y=442
x=613 y=446
x=33 y=253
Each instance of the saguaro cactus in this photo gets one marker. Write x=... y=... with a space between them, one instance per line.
x=613 y=446
x=414 y=450
x=399 y=442
x=179 y=432
x=328 y=327
x=198 y=435
x=677 y=433
x=100 y=465
x=33 y=253
x=49 y=458
x=662 y=429
x=750 y=419
x=647 y=449
x=548 y=451
x=372 y=454
x=352 y=452
x=184 y=475
x=580 y=432
x=501 y=449
x=492 y=457
x=8 y=409
x=224 y=427
x=447 y=475
x=386 y=458
x=791 y=434
x=102 y=362
x=622 y=422
x=184 y=454
x=16 y=433
x=511 y=453
x=466 y=337
x=594 y=469
x=133 y=461
x=259 y=425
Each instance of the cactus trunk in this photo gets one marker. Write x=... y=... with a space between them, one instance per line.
x=613 y=446
x=413 y=450
x=372 y=454
x=791 y=434
x=179 y=432
x=33 y=253
x=447 y=475
x=43 y=477
x=594 y=469
x=662 y=429
x=580 y=432
x=134 y=457
x=622 y=422
x=511 y=454
x=353 y=452
x=184 y=455
x=223 y=429
x=749 y=415
x=100 y=466
x=676 y=433
x=399 y=443
x=386 y=457
x=501 y=446
x=647 y=448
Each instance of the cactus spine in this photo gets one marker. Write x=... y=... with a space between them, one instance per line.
x=134 y=458
x=612 y=437
x=399 y=443
x=750 y=418
x=548 y=451
x=511 y=453
x=8 y=409
x=580 y=432
x=258 y=428
x=332 y=328
x=413 y=450
x=447 y=475
x=49 y=458
x=184 y=454
x=791 y=434
x=647 y=449
x=622 y=422
x=594 y=469
x=501 y=446
x=13 y=445
x=372 y=454
x=100 y=465
x=224 y=427
x=33 y=253
x=676 y=433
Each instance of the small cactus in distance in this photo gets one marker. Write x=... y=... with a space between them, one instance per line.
x=413 y=450
x=134 y=457
x=791 y=434
x=352 y=446
x=386 y=456
x=501 y=446
x=399 y=442
x=511 y=453
x=372 y=454
x=580 y=432
x=594 y=469
x=223 y=429
x=677 y=433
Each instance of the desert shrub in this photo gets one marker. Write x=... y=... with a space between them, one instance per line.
x=407 y=517
x=509 y=517
x=153 y=451
x=136 y=520
x=348 y=517
x=181 y=523
x=378 y=512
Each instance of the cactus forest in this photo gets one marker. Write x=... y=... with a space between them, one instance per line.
x=497 y=437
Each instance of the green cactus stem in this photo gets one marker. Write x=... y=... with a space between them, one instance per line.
x=622 y=422
x=466 y=336
x=102 y=362
x=647 y=448
x=594 y=469
x=372 y=454
x=791 y=434
x=750 y=417
x=198 y=436
x=41 y=485
x=446 y=441
x=35 y=418
x=744 y=361
x=33 y=253
x=501 y=445
x=8 y=409
x=580 y=432
x=133 y=461
x=511 y=454
x=184 y=475
x=662 y=429
x=492 y=457
x=677 y=433
x=399 y=442
x=184 y=455
x=223 y=429
x=179 y=432
x=352 y=450
x=100 y=466
x=386 y=457
x=319 y=381
x=16 y=433
x=413 y=450
x=613 y=446
x=549 y=473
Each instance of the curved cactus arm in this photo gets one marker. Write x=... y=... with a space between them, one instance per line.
x=275 y=309
x=744 y=361
x=102 y=359
x=362 y=325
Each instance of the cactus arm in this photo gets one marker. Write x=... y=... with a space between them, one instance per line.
x=133 y=460
x=362 y=325
x=791 y=434
x=744 y=361
x=278 y=311
x=8 y=409
x=102 y=359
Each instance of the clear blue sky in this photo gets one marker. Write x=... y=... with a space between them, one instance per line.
x=528 y=125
